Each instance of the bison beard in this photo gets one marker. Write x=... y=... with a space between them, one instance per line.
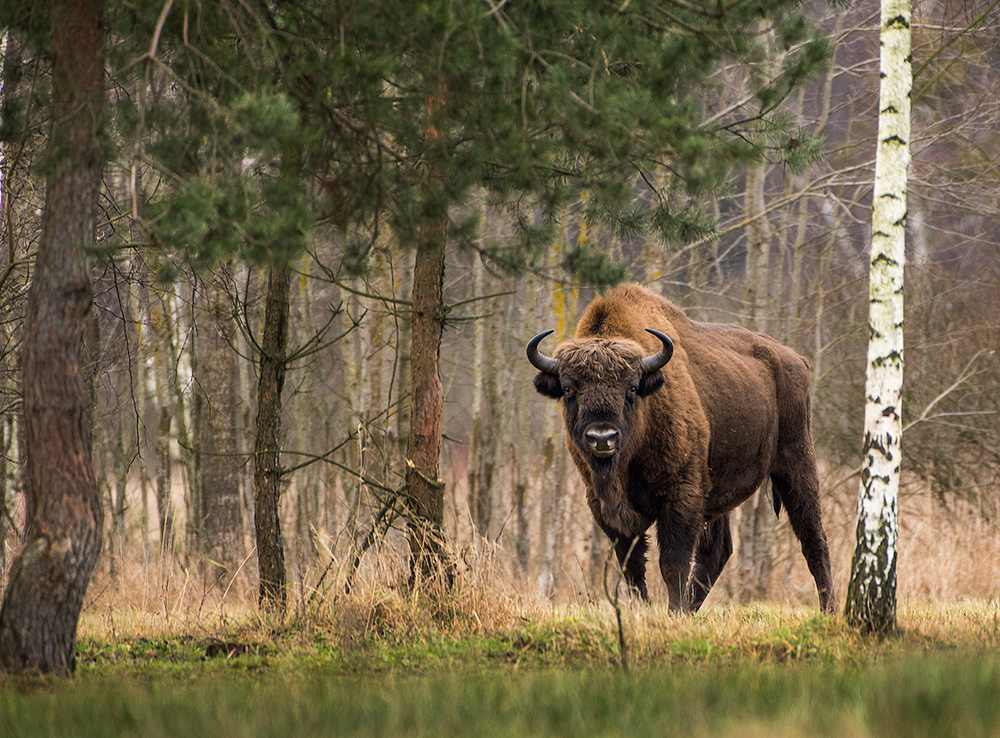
x=680 y=433
x=621 y=519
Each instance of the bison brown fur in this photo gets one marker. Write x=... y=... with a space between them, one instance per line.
x=682 y=445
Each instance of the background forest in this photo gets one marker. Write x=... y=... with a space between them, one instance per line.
x=177 y=337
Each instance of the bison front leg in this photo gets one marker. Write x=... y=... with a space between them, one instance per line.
x=677 y=533
x=631 y=553
x=715 y=546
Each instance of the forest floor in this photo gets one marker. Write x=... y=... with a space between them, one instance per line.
x=376 y=664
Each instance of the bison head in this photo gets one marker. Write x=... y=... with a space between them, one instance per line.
x=599 y=380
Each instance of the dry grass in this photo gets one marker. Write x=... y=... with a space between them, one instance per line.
x=380 y=615
x=949 y=584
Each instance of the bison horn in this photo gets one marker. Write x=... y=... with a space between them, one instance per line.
x=540 y=361
x=658 y=360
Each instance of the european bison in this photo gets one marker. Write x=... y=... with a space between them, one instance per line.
x=677 y=422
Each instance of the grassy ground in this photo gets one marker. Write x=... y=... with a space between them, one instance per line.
x=419 y=666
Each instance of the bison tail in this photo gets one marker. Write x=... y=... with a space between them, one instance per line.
x=776 y=488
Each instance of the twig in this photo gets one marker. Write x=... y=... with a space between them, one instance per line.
x=615 y=601
x=962 y=377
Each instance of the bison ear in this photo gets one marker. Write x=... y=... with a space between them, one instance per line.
x=650 y=383
x=548 y=385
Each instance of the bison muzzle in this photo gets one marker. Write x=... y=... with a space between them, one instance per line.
x=675 y=422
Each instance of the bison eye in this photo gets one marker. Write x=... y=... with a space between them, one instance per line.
x=569 y=393
x=631 y=393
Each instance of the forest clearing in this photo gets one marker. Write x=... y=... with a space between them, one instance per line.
x=158 y=655
x=279 y=454
x=376 y=666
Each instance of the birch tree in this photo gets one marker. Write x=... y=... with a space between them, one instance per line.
x=871 y=594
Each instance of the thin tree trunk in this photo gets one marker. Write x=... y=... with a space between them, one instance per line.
x=8 y=466
x=424 y=486
x=50 y=574
x=523 y=441
x=552 y=445
x=757 y=520
x=119 y=462
x=191 y=442
x=307 y=409
x=485 y=418
x=477 y=420
x=8 y=481
x=495 y=446
x=373 y=412
x=403 y=285
x=245 y=387
x=219 y=466
x=871 y=593
x=164 y=404
x=267 y=452
x=353 y=370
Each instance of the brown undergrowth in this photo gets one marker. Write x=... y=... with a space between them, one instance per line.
x=486 y=619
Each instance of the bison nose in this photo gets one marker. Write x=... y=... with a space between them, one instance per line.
x=602 y=442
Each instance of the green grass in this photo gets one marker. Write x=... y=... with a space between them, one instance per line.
x=735 y=672
x=936 y=695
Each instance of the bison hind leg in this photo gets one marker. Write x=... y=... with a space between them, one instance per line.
x=801 y=500
x=715 y=546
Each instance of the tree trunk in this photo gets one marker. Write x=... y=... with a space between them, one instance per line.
x=494 y=450
x=311 y=413
x=523 y=441
x=871 y=593
x=353 y=371
x=757 y=519
x=424 y=486
x=218 y=466
x=164 y=376
x=49 y=576
x=267 y=452
x=120 y=457
x=8 y=421
x=190 y=441
x=553 y=447
x=485 y=432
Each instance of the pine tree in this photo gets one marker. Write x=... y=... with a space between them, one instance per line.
x=49 y=576
x=401 y=122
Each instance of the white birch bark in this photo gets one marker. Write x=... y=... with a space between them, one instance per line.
x=871 y=597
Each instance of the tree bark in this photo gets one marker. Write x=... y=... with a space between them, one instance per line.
x=424 y=486
x=485 y=432
x=871 y=593
x=553 y=447
x=8 y=421
x=757 y=520
x=267 y=452
x=311 y=413
x=523 y=441
x=49 y=576
x=218 y=468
